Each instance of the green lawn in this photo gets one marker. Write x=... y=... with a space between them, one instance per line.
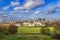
x=18 y=37
x=27 y=33
x=29 y=29
x=26 y=29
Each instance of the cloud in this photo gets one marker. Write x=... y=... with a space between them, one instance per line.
x=58 y=6
x=18 y=8
x=33 y=3
x=36 y=12
x=2 y=12
x=50 y=8
x=14 y=3
x=6 y=7
x=30 y=4
x=4 y=15
x=21 y=11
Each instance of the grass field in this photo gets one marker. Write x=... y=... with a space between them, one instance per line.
x=29 y=29
x=25 y=37
x=26 y=29
x=26 y=33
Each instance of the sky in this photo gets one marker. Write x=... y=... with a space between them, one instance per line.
x=29 y=9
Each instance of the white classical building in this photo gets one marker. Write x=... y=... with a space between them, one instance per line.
x=17 y=24
x=39 y=23
x=31 y=24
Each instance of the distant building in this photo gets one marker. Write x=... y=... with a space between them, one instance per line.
x=31 y=23
x=17 y=24
x=39 y=23
x=25 y=23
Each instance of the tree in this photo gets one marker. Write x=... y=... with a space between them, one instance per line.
x=12 y=29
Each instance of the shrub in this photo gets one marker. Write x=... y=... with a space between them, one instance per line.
x=43 y=30
x=56 y=36
x=12 y=29
x=48 y=30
